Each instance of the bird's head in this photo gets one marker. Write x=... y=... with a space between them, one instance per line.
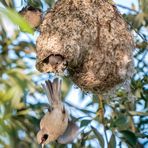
x=42 y=137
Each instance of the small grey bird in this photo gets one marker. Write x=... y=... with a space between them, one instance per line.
x=55 y=124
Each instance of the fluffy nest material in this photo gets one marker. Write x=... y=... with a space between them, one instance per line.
x=88 y=38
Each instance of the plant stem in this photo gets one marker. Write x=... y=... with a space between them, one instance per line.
x=130 y=107
x=134 y=113
x=101 y=114
x=101 y=110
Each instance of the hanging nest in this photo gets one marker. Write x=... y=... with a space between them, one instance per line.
x=88 y=38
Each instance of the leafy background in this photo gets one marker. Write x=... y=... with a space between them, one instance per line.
x=110 y=122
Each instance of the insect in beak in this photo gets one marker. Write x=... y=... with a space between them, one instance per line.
x=43 y=139
x=42 y=142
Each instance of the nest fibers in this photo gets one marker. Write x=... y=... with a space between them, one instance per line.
x=90 y=39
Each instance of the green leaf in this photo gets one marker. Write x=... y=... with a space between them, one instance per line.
x=8 y=3
x=9 y=94
x=139 y=19
x=23 y=112
x=50 y=2
x=121 y=122
x=17 y=19
x=112 y=142
x=99 y=136
x=85 y=122
x=144 y=4
x=129 y=137
x=35 y=3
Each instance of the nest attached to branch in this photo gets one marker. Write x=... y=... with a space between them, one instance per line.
x=90 y=39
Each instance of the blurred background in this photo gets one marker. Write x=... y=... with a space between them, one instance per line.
x=104 y=123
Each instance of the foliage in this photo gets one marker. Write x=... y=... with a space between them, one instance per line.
x=117 y=121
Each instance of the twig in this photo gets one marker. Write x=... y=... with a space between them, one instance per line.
x=142 y=135
x=124 y=7
x=129 y=106
x=131 y=113
x=140 y=35
x=100 y=109
x=132 y=125
x=134 y=113
x=101 y=114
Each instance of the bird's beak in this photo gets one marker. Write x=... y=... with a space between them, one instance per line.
x=43 y=145
x=42 y=142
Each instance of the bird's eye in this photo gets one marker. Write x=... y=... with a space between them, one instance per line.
x=63 y=111
x=44 y=138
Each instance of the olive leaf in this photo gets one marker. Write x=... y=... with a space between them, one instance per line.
x=16 y=19
x=129 y=137
x=112 y=142
x=98 y=136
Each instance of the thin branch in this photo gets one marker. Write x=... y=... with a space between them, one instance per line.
x=130 y=112
x=133 y=128
x=132 y=125
x=140 y=135
x=134 y=113
x=140 y=35
x=127 y=8
x=101 y=114
x=100 y=109
x=80 y=109
x=124 y=7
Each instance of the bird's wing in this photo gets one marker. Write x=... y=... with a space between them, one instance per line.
x=70 y=134
x=53 y=90
x=47 y=93
x=57 y=88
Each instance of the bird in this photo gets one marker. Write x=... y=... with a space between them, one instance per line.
x=55 y=124
x=70 y=134
x=32 y=15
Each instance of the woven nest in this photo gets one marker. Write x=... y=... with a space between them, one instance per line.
x=90 y=39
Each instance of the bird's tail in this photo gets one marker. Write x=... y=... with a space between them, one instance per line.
x=53 y=91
